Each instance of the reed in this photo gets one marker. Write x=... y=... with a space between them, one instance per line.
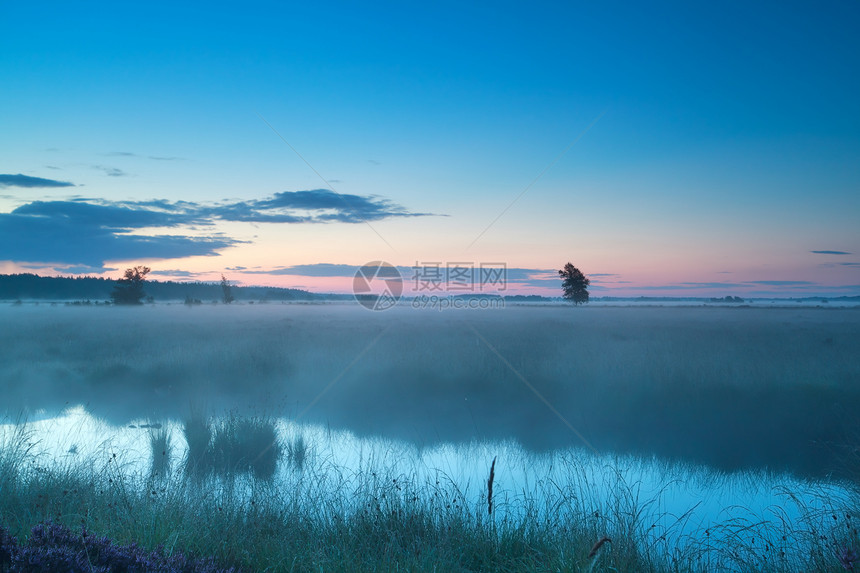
x=490 y=487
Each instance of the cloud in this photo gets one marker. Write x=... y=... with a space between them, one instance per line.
x=110 y=171
x=691 y=286
x=59 y=240
x=79 y=233
x=317 y=205
x=114 y=217
x=781 y=283
x=153 y=157
x=176 y=273
x=314 y=270
x=495 y=275
x=19 y=180
x=830 y=252
x=90 y=231
x=83 y=269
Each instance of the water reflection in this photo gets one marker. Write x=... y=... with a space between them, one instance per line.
x=672 y=504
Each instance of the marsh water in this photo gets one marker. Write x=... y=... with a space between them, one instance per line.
x=694 y=416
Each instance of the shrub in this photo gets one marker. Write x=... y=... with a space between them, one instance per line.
x=53 y=547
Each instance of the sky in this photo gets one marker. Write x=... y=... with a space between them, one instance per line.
x=673 y=149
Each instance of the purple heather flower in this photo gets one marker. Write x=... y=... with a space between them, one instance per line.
x=847 y=557
x=53 y=547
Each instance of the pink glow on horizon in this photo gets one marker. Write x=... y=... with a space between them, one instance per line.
x=763 y=282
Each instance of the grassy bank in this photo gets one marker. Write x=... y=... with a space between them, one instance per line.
x=317 y=517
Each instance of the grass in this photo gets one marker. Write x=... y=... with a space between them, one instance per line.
x=325 y=518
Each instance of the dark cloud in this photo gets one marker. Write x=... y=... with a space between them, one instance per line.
x=245 y=212
x=321 y=205
x=89 y=231
x=59 y=239
x=110 y=217
x=83 y=269
x=82 y=233
x=19 y=180
x=317 y=206
x=830 y=252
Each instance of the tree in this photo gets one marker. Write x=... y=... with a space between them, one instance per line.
x=129 y=290
x=574 y=284
x=227 y=296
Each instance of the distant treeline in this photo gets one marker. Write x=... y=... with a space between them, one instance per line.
x=30 y=286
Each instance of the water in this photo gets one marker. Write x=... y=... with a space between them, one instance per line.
x=674 y=504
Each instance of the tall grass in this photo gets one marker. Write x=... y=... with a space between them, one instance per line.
x=328 y=518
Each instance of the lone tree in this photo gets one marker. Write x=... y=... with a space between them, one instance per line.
x=574 y=284
x=227 y=291
x=129 y=290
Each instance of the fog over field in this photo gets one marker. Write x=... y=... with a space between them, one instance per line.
x=732 y=388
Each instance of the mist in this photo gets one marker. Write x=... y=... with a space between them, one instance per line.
x=730 y=388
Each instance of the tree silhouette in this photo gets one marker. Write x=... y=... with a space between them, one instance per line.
x=574 y=284
x=129 y=290
x=227 y=292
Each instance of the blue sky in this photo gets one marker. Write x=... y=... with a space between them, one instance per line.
x=669 y=149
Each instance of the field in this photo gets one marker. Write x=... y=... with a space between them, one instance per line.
x=641 y=424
